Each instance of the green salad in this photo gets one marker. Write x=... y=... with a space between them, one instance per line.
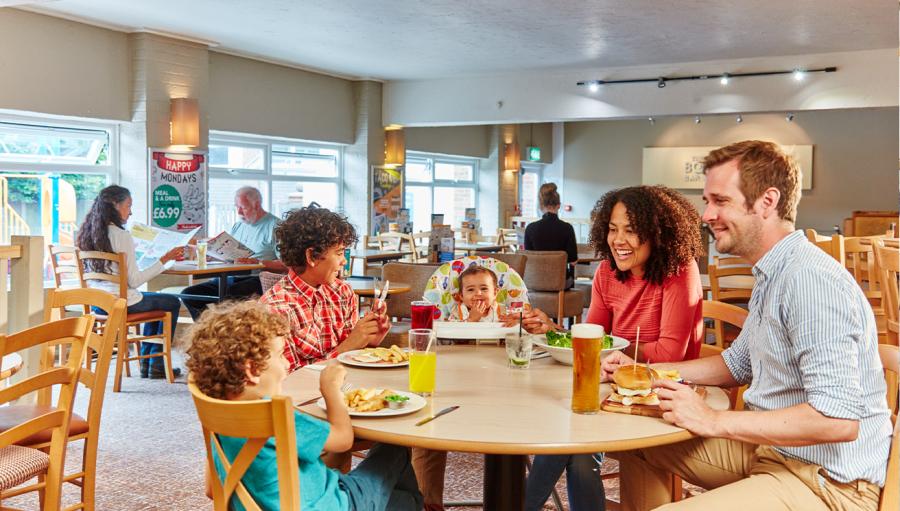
x=564 y=340
x=397 y=398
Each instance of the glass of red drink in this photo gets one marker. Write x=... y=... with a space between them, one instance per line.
x=422 y=314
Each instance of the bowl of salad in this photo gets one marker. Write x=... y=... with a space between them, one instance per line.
x=559 y=345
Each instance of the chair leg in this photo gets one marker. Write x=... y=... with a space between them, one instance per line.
x=89 y=479
x=167 y=347
x=120 y=359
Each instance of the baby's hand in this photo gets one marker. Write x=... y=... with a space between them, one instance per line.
x=479 y=310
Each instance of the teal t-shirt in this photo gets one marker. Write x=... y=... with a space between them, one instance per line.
x=258 y=237
x=318 y=484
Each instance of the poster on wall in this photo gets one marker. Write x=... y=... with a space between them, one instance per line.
x=682 y=167
x=178 y=190
x=387 y=197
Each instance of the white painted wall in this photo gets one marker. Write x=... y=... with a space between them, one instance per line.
x=469 y=141
x=249 y=96
x=854 y=156
x=864 y=79
x=53 y=66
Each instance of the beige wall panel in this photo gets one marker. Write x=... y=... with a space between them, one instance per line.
x=249 y=96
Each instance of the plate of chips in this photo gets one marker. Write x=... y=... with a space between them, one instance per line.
x=375 y=402
x=376 y=357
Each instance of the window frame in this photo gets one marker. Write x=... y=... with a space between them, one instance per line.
x=267 y=174
x=431 y=160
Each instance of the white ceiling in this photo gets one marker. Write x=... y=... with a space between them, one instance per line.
x=420 y=39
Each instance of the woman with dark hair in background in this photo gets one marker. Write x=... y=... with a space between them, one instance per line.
x=551 y=233
x=104 y=230
x=649 y=240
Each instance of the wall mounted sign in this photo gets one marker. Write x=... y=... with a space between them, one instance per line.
x=178 y=190
x=682 y=167
x=387 y=197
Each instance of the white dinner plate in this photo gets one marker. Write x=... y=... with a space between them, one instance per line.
x=415 y=403
x=466 y=330
x=564 y=355
x=347 y=358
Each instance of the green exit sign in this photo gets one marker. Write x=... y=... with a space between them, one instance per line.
x=534 y=153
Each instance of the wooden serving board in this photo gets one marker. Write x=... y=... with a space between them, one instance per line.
x=645 y=410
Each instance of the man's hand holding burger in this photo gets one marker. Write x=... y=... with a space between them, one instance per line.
x=685 y=408
x=612 y=362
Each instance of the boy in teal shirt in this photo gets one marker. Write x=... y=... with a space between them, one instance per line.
x=237 y=353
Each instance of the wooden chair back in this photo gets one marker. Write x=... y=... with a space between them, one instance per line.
x=120 y=278
x=887 y=260
x=257 y=421
x=74 y=332
x=64 y=263
x=93 y=376
x=719 y=290
x=396 y=240
x=814 y=237
x=508 y=238
x=724 y=262
x=860 y=262
x=732 y=315
x=890 y=495
x=834 y=247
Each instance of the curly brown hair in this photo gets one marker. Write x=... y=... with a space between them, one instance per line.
x=318 y=229
x=660 y=216
x=222 y=341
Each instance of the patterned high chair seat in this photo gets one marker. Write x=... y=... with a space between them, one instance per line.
x=443 y=286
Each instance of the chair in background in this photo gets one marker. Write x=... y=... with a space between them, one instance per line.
x=833 y=246
x=516 y=261
x=443 y=284
x=99 y=355
x=267 y=279
x=724 y=313
x=417 y=276
x=725 y=262
x=545 y=279
x=509 y=238
x=63 y=261
x=123 y=357
x=814 y=236
x=19 y=464
x=720 y=292
x=257 y=421
x=887 y=260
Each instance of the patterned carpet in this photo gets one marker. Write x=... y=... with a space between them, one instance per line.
x=151 y=456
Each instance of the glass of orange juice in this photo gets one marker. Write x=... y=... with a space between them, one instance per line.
x=422 y=361
x=587 y=343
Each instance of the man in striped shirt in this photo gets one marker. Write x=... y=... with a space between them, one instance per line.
x=817 y=430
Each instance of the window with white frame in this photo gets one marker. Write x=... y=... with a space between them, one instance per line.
x=439 y=184
x=530 y=181
x=290 y=174
x=50 y=174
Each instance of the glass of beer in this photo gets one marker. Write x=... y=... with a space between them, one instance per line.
x=587 y=343
x=201 y=254
x=422 y=361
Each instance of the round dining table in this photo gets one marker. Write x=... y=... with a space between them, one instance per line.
x=504 y=413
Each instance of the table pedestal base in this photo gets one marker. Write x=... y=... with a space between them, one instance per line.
x=504 y=482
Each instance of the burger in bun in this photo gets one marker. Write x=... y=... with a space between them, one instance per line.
x=633 y=385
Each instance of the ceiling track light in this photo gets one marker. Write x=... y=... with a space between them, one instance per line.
x=651 y=120
x=724 y=78
x=696 y=119
x=789 y=117
x=739 y=119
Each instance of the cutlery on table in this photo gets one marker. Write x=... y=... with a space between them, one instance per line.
x=445 y=411
x=344 y=388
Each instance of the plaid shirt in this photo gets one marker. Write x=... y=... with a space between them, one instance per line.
x=320 y=318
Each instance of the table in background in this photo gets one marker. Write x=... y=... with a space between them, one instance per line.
x=470 y=248
x=888 y=242
x=212 y=269
x=504 y=413
x=367 y=287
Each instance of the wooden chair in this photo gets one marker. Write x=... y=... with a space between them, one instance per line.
x=888 y=261
x=890 y=495
x=19 y=464
x=257 y=421
x=123 y=357
x=725 y=262
x=267 y=279
x=416 y=275
x=814 y=236
x=63 y=263
x=508 y=238
x=724 y=313
x=720 y=292
x=833 y=246
x=545 y=278
x=100 y=348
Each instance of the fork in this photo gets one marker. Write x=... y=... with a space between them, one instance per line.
x=344 y=388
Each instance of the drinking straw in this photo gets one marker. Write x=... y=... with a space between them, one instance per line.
x=520 y=323
x=637 y=344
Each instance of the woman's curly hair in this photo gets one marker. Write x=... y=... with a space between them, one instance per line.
x=658 y=215
x=222 y=341
x=318 y=229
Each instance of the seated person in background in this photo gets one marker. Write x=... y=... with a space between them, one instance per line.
x=256 y=230
x=649 y=239
x=477 y=299
x=237 y=353
x=322 y=310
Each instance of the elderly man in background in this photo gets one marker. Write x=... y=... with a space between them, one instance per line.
x=256 y=230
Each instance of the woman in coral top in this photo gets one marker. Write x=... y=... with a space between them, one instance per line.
x=649 y=240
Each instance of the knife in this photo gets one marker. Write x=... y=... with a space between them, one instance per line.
x=445 y=411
